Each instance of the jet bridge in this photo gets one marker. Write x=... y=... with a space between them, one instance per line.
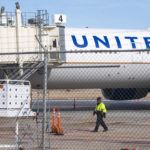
x=22 y=32
x=29 y=32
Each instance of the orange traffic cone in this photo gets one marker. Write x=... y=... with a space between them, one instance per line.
x=54 y=126
x=59 y=130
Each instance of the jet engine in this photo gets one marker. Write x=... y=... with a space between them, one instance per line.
x=124 y=93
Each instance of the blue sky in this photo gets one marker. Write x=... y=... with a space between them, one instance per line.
x=134 y=14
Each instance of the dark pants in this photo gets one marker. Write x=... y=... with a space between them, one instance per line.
x=100 y=121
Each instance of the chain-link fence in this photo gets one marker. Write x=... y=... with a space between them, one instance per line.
x=73 y=87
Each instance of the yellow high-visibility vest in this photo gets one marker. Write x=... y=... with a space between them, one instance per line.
x=101 y=107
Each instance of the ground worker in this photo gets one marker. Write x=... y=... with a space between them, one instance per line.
x=100 y=110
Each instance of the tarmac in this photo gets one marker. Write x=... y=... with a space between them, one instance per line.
x=127 y=129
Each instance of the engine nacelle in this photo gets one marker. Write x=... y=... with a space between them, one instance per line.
x=124 y=93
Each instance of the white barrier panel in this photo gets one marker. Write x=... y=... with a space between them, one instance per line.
x=15 y=98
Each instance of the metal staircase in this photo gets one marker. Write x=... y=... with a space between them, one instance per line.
x=28 y=70
x=21 y=136
x=32 y=134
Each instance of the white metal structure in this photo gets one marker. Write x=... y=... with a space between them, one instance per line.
x=15 y=98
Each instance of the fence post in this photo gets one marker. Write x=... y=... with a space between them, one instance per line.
x=44 y=100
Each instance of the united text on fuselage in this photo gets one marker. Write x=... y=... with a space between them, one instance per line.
x=104 y=41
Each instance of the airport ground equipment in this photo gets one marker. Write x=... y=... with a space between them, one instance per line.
x=15 y=102
x=15 y=98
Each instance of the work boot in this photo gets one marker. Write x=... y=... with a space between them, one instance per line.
x=94 y=130
x=105 y=130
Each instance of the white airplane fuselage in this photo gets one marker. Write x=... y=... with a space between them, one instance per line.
x=102 y=69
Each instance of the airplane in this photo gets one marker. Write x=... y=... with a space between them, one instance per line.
x=115 y=60
x=120 y=75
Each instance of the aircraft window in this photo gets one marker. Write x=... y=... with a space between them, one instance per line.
x=9 y=102
x=3 y=103
x=15 y=102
